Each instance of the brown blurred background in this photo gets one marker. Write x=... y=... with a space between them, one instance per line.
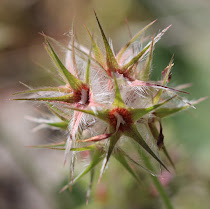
x=32 y=178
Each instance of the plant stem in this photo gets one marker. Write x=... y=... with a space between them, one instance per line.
x=157 y=183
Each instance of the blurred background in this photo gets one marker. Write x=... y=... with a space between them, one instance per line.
x=32 y=178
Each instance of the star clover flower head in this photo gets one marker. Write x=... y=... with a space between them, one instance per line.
x=105 y=97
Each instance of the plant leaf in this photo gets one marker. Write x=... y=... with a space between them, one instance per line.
x=167 y=72
x=87 y=75
x=58 y=89
x=135 y=59
x=97 y=157
x=145 y=72
x=67 y=76
x=155 y=85
x=50 y=71
x=97 y=52
x=80 y=52
x=134 y=134
x=72 y=165
x=168 y=157
x=138 y=113
x=112 y=142
x=124 y=48
x=62 y=124
x=87 y=148
x=59 y=113
x=136 y=163
x=164 y=82
x=66 y=98
x=145 y=50
x=120 y=157
x=110 y=58
x=92 y=174
x=103 y=115
x=118 y=101
x=158 y=136
x=165 y=112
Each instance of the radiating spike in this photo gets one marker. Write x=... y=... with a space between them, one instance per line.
x=110 y=58
x=123 y=49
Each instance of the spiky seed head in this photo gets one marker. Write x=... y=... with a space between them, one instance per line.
x=106 y=97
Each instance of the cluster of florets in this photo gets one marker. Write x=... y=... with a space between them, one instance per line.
x=105 y=97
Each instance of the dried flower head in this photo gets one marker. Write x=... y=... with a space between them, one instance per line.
x=107 y=98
